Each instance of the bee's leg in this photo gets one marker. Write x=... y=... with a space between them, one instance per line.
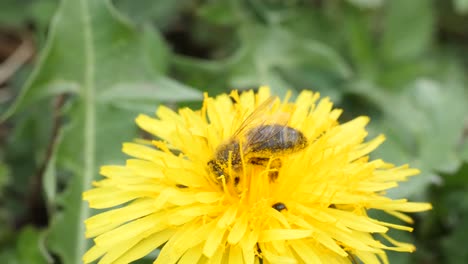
x=273 y=175
x=236 y=180
x=259 y=161
x=275 y=165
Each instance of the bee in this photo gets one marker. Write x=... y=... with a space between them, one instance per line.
x=258 y=141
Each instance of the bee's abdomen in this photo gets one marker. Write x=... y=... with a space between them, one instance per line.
x=275 y=138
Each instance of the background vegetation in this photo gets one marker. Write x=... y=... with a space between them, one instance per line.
x=75 y=73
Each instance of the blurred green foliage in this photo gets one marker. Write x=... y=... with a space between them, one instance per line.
x=99 y=63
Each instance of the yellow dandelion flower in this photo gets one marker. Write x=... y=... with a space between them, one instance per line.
x=249 y=179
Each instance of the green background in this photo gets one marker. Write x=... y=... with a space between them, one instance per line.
x=88 y=67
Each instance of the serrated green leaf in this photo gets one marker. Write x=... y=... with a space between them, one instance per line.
x=263 y=57
x=62 y=64
x=92 y=51
x=417 y=128
x=272 y=49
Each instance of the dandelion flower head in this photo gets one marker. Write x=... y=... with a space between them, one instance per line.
x=215 y=186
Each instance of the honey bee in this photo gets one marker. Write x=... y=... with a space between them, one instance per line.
x=258 y=141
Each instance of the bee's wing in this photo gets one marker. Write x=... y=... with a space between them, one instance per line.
x=255 y=118
x=259 y=117
x=258 y=136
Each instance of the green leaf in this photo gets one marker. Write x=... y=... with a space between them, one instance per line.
x=25 y=151
x=417 y=128
x=30 y=247
x=464 y=150
x=270 y=50
x=27 y=247
x=97 y=57
x=360 y=42
x=451 y=245
x=161 y=89
x=211 y=75
x=451 y=210
x=408 y=29
x=49 y=178
x=455 y=183
x=266 y=56
x=12 y=12
x=438 y=135
x=24 y=13
x=461 y=6
x=61 y=71
x=220 y=12
x=4 y=176
x=367 y=3
x=162 y=12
